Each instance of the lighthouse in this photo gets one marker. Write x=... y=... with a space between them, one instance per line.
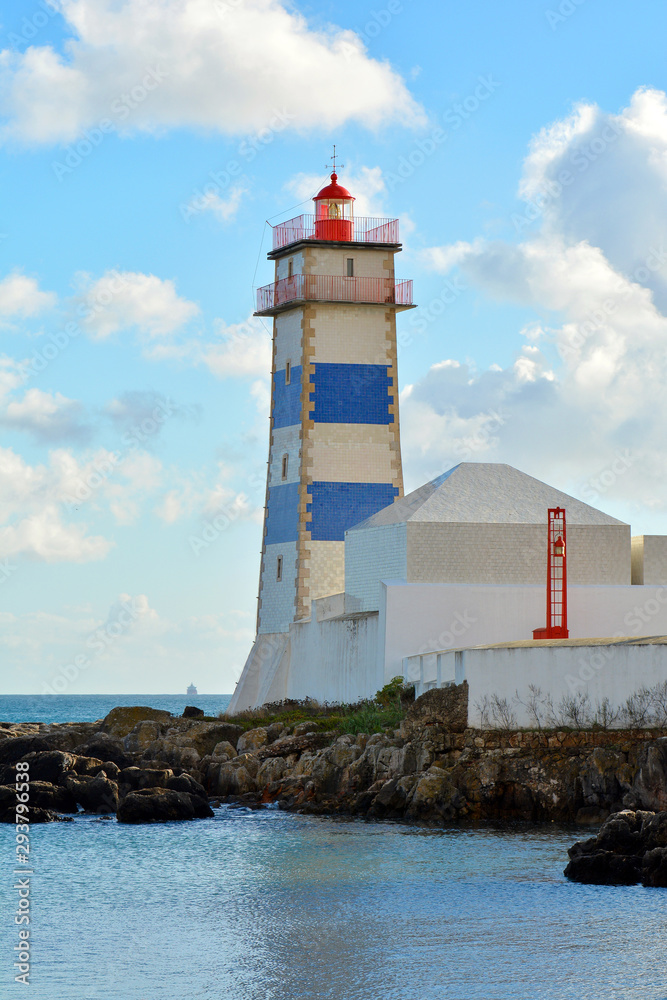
x=334 y=452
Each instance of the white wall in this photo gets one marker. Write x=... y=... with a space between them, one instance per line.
x=611 y=671
x=370 y=555
x=418 y=617
x=334 y=660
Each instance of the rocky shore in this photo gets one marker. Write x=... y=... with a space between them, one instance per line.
x=145 y=765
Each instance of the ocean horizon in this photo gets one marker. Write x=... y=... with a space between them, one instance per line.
x=90 y=707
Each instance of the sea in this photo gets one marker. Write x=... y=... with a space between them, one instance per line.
x=268 y=905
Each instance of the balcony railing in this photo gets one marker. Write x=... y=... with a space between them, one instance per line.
x=359 y=230
x=332 y=288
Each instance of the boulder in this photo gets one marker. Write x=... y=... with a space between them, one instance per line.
x=253 y=740
x=223 y=751
x=190 y=712
x=96 y=794
x=143 y=735
x=133 y=779
x=104 y=747
x=161 y=805
x=36 y=814
x=271 y=770
x=13 y=750
x=47 y=765
x=233 y=780
x=121 y=721
x=186 y=783
x=604 y=868
x=48 y=796
x=654 y=868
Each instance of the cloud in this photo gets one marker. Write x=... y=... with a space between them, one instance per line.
x=48 y=416
x=217 y=65
x=21 y=296
x=120 y=300
x=224 y=209
x=242 y=350
x=585 y=392
x=44 y=536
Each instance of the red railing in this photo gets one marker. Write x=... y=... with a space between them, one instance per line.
x=332 y=288
x=363 y=231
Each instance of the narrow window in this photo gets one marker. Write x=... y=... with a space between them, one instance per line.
x=285 y=465
x=290 y=268
x=350 y=267
x=279 y=569
x=288 y=372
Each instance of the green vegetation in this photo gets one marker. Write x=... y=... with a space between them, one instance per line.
x=376 y=715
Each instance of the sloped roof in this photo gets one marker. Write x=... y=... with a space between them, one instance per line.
x=484 y=493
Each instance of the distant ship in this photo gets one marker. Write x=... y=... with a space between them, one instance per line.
x=191 y=689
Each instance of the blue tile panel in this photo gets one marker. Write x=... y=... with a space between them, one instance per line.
x=351 y=394
x=336 y=507
x=287 y=398
x=282 y=519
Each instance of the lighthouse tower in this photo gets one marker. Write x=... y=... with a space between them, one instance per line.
x=334 y=454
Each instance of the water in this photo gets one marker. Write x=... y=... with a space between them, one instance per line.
x=272 y=906
x=89 y=707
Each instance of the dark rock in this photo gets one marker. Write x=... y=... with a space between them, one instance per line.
x=105 y=747
x=604 y=868
x=447 y=707
x=157 y=805
x=190 y=712
x=186 y=783
x=36 y=814
x=13 y=750
x=201 y=806
x=591 y=815
x=95 y=794
x=48 y=796
x=654 y=868
x=47 y=765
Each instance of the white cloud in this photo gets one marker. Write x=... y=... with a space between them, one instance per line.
x=224 y=209
x=44 y=536
x=243 y=350
x=48 y=416
x=212 y=64
x=119 y=300
x=21 y=296
x=588 y=386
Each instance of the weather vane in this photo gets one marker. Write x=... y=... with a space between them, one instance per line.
x=333 y=166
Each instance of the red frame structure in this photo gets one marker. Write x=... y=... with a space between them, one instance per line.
x=556 y=578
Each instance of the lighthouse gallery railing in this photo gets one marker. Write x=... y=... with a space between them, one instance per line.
x=333 y=288
x=365 y=230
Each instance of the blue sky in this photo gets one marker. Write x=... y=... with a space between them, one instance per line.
x=523 y=147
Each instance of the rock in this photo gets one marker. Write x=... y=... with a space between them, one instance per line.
x=295 y=744
x=447 y=707
x=233 y=780
x=654 y=829
x=274 y=731
x=190 y=712
x=94 y=794
x=223 y=750
x=654 y=868
x=13 y=750
x=186 y=783
x=36 y=814
x=121 y=721
x=161 y=805
x=48 y=766
x=104 y=747
x=143 y=735
x=303 y=728
x=604 y=868
x=252 y=740
x=133 y=779
x=48 y=796
x=271 y=770
x=591 y=816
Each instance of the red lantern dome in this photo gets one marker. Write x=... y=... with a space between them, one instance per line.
x=334 y=214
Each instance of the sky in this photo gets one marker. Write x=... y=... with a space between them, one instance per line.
x=144 y=146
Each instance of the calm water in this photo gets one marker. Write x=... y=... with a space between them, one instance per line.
x=89 y=707
x=270 y=906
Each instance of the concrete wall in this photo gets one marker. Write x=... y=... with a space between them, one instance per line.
x=418 y=618
x=649 y=559
x=278 y=596
x=614 y=672
x=368 y=263
x=334 y=659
